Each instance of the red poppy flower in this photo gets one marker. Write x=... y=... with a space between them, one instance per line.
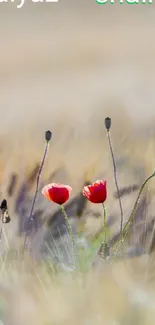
x=57 y=193
x=96 y=193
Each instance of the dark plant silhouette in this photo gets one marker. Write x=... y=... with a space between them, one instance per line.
x=12 y=185
x=5 y=218
x=48 y=136
x=126 y=190
x=108 y=126
x=128 y=224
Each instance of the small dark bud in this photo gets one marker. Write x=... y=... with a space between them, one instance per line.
x=108 y=123
x=48 y=135
x=3 y=205
x=4 y=212
x=104 y=251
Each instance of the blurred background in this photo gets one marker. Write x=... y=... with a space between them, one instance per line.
x=65 y=67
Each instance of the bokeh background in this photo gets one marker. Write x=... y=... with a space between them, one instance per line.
x=65 y=67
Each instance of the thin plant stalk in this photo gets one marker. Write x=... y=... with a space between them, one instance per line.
x=124 y=233
x=69 y=230
x=104 y=233
x=1 y=229
x=30 y=218
x=115 y=177
x=3 y=235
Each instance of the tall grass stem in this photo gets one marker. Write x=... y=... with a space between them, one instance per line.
x=70 y=232
x=124 y=233
x=104 y=233
x=30 y=218
x=115 y=177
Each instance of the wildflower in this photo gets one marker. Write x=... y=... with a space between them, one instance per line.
x=57 y=193
x=96 y=193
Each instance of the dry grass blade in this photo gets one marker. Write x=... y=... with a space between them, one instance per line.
x=12 y=185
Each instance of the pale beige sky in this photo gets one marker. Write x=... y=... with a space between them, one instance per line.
x=72 y=58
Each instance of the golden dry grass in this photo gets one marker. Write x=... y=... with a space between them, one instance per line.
x=118 y=294
x=66 y=68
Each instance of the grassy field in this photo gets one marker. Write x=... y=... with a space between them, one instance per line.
x=65 y=68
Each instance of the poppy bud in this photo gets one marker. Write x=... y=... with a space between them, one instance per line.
x=48 y=135
x=108 y=123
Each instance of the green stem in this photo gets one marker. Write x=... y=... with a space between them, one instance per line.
x=104 y=233
x=69 y=229
x=130 y=220
x=115 y=178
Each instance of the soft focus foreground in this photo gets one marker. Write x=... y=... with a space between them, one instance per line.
x=65 y=67
x=122 y=294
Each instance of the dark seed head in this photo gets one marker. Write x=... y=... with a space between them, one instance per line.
x=6 y=218
x=3 y=205
x=104 y=251
x=48 y=135
x=108 y=123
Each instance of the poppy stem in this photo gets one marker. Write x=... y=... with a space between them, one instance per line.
x=30 y=218
x=115 y=177
x=104 y=233
x=124 y=234
x=69 y=229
